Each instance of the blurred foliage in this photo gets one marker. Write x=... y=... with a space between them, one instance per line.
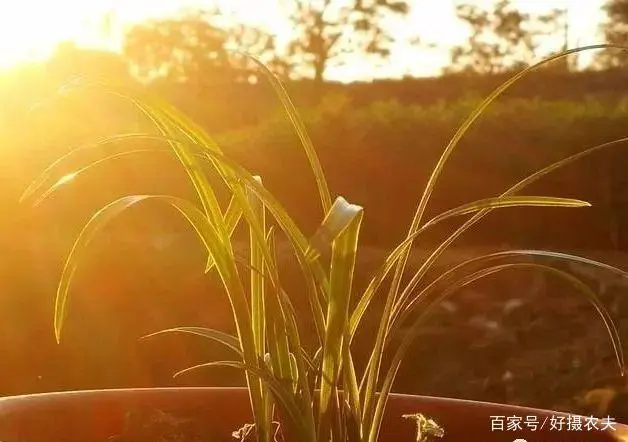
x=384 y=145
x=327 y=32
x=614 y=29
x=196 y=47
x=502 y=38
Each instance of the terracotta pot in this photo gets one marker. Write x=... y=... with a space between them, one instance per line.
x=211 y=414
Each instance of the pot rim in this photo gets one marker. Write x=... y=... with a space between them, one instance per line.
x=241 y=390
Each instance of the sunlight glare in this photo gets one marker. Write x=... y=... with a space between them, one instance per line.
x=30 y=30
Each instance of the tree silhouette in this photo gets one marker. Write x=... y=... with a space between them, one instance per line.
x=502 y=39
x=195 y=47
x=326 y=31
x=615 y=31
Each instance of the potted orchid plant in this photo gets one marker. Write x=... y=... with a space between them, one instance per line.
x=292 y=394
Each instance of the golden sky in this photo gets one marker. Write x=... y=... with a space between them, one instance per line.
x=30 y=29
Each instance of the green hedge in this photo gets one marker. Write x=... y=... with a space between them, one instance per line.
x=379 y=155
x=376 y=153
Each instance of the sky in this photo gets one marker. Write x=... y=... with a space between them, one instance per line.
x=26 y=36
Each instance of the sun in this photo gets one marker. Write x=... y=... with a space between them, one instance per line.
x=21 y=35
x=30 y=30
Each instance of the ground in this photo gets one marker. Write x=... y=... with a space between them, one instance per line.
x=521 y=339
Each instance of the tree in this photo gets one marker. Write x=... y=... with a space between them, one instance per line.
x=502 y=39
x=326 y=31
x=195 y=48
x=615 y=31
x=556 y=21
x=256 y=42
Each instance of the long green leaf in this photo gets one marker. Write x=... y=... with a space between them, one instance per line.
x=402 y=312
x=431 y=183
x=258 y=292
x=411 y=335
x=503 y=202
x=226 y=339
x=350 y=382
x=390 y=308
x=232 y=177
x=468 y=122
x=232 y=218
x=58 y=167
x=313 y=272
x=426 y=265
x=232 y=215
x=553 y=257
x=489 y=203
x=171 y=124
x=299 y=126
x=106 y=214
x=344 y=250
x=278 y=336
x=540 y=254
x=161 y=115
x=477 y=112
x=257 y=280
x=395 y=255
